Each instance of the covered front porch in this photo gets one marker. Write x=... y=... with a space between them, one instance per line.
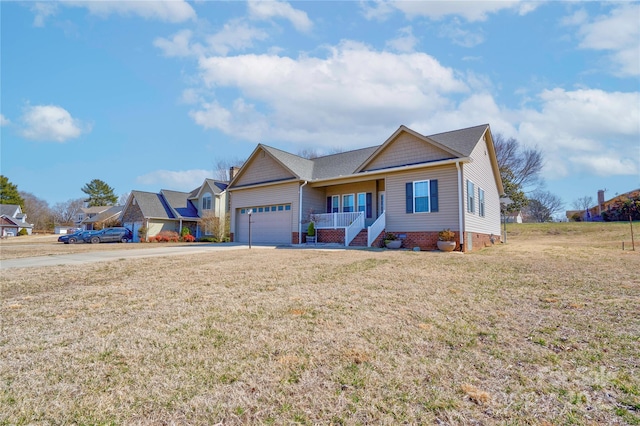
x=349 y=213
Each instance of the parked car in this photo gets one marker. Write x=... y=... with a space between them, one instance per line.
x=109 y=235
x=75 y=237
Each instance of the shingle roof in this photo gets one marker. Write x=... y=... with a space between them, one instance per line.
x=152 y=205
x=462 y=141
x=107 y=214
x=345 y=163
x=9 y=209
x=180 y=203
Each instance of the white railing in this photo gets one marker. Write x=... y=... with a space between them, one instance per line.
x=351 y=231
x=336 y=220
x=376 y=228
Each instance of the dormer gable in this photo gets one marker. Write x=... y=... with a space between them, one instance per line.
x=407 y=147
x=267 y=165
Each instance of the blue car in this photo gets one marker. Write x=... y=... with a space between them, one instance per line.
x=76 y=237
x=109 y=235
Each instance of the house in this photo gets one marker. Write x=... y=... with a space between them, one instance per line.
x=12 y=220
x=603 y=208
x=108 y=217
x=411 y=185
x=87 y=213
x=173 y=210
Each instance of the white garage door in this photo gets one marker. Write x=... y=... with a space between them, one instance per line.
x=269 y=224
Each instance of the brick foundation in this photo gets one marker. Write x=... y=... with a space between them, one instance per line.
x=429 y=240
x=330 y=235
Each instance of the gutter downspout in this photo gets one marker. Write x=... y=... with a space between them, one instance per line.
x=300 y=214
x=460 y=206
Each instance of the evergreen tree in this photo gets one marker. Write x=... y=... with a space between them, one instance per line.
x=9 y=193
x=100 y=194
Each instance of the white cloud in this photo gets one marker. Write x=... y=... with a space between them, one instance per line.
x=618 y=32
x=584 y=130
x=178 y=45
x=259 y=9
x=186 y=180
x=352 y=86
x=4 y=121
x=162 y=10
x=42 y=11
x=405 y=42
x=469 y=10
x=235 y=35
x=51 y=123
x=460 y=36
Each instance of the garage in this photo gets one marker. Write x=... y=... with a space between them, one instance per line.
x=269 y=224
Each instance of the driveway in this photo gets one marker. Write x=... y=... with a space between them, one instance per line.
x=101 y=256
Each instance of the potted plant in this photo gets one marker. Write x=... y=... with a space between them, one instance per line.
x=446 y=240
x=311 y=233
x=391 y=241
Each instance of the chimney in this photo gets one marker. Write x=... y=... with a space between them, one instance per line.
x=233 y=171
x=600 y=200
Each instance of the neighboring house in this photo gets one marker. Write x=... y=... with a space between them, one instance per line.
x=595 y=213
x=515 y=217
x=12 y=220
x=86 y=214
x=173 y=210
x=412 y=185
x=108 y=217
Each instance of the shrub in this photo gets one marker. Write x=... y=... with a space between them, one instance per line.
x=188 y=238
x=167 y=236
x=311 y=230
x=207 y=240
x=446 y=235
x=389 y=237
x=184 y=232
x=23 y=231
x=142 y=233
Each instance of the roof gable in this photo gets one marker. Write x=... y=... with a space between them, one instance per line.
x=267 y=164
x=406 y=147
x=151 y=205
x=11 y=210
x=209 y=185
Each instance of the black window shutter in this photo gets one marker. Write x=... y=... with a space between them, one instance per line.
x=368 y=213
x=433 y=190
x=409 y=191
x=328 y=204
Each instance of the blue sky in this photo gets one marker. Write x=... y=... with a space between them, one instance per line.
x=152 y=95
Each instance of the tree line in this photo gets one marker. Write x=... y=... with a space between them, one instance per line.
x=44 y=217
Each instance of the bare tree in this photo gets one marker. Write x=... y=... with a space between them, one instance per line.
x=37 y=211
x=583 y=203
x=66 y=212
x=525 y=164
x=222 y=168
x=123 y=199
x=543 y=205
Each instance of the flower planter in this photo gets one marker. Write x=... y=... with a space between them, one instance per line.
x=393 y=244
x=311 y=240
x=446 y=245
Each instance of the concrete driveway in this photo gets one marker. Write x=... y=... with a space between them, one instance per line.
x=101 y=256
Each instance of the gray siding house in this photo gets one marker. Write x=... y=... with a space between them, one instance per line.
x=411 y=185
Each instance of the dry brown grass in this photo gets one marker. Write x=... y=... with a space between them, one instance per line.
x=532 y=332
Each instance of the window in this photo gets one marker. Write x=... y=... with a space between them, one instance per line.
x=287 y=207
x=471 y=201
x=362 y=202
x=422 y=196
x=280 y=208
x=335 y=204
x=206 y=202
x=481 y=202
x=347 y=203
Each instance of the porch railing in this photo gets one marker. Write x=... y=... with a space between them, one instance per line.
x=376 y=228
x=336 y=220
x=351 y=231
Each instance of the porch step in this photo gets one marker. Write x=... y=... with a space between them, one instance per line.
x=360 y=240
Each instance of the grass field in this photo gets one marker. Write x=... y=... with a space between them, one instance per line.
x=542 y=330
